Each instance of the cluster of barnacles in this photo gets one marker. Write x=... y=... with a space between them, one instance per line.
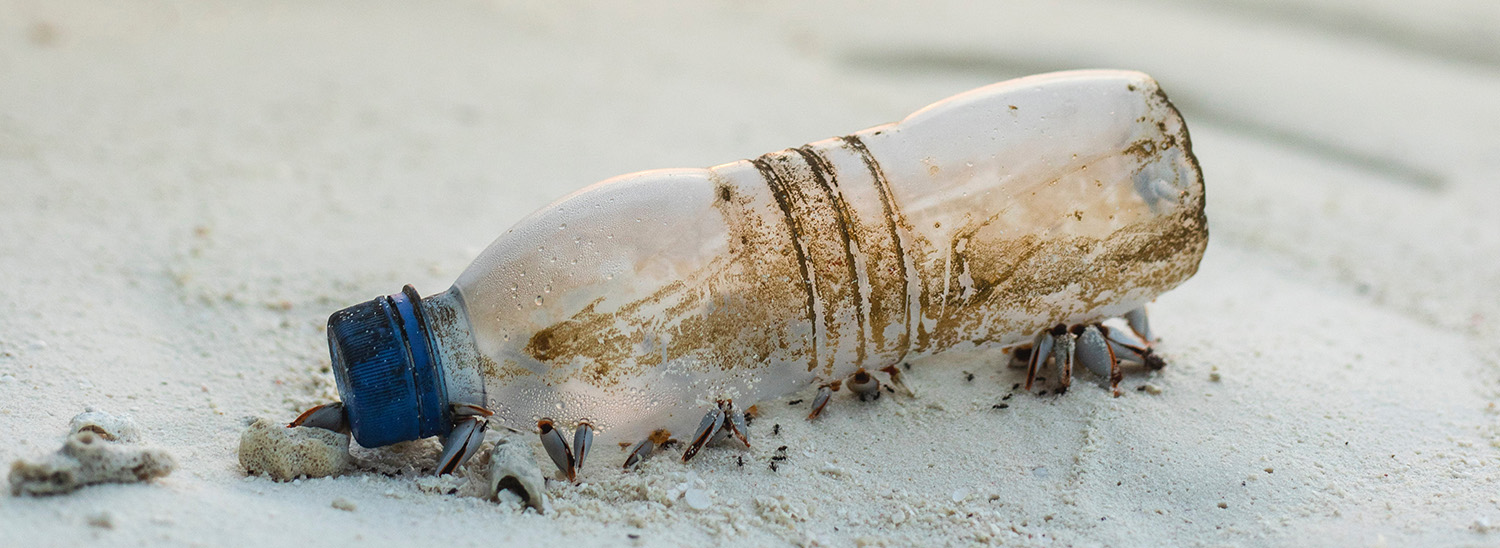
x=1098 y=347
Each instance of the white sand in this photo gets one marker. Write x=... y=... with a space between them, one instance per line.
x=187 y=191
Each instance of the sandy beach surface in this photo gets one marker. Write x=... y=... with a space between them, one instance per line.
x=188 y=189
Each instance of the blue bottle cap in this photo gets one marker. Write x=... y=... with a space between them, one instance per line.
x=387 y=371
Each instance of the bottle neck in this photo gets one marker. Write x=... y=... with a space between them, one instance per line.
x=452 y=342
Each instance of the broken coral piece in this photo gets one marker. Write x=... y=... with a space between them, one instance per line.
x=287 y=453
x=87 y=458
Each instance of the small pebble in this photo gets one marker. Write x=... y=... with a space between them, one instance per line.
x=1152 y=389
x=832 y=469
x=102 y=520
x=344 y=504
x=960 y=494
x=697 y=499
x=1223 y=505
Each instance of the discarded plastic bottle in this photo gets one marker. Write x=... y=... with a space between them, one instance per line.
x=639 y=303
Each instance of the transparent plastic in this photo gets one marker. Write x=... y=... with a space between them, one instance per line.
x=637 y=302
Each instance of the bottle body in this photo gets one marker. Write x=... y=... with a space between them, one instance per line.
x=638 y=302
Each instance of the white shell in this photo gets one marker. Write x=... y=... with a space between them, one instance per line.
x=637 y=302
x=110 y=427
x=513 y=468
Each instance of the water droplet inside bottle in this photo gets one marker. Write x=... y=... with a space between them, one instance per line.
x=547 y=288
x=563 y=226
x=609 y=276
x=539 y=300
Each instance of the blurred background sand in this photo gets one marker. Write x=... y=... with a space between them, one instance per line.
x=188 y=189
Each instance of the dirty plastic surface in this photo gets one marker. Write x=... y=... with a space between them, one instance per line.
x=636 y=302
